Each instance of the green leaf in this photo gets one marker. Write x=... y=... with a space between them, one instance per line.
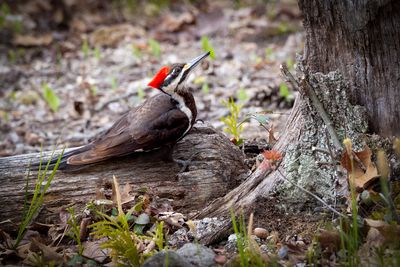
x=205 y=88
x=155 y=47
x=242 y=95
x=261 y=118
x=51 y=98
x=284 y=91
x=138 y=228
x=85 y=48
x=140 y=93
x=97 y=53
x=114 y=84
x=114 y=212
x=269 y=53
x=143 y=219
x=206 y=45
x=136 y=51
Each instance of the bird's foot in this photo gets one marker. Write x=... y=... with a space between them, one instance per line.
x=184 y=164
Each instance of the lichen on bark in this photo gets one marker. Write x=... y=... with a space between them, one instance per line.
x=308 y=162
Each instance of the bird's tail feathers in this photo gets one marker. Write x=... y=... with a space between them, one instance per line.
x=63 y=162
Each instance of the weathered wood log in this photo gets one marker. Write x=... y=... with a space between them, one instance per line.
x=216 y=167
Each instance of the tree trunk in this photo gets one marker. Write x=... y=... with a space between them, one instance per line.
x=216 y=167
x=361 y=39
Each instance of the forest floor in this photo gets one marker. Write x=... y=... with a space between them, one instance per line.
x=69 y=70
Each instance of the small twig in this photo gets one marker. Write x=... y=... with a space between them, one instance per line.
x=321 y=111
x=314 y=196
x=310 y=92
x=285 y=71
x=329 y=147
x=358 y=160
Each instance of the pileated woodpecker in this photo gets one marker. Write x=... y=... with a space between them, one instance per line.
x=158 y=122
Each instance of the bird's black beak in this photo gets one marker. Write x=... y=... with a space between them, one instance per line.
x=192 y=64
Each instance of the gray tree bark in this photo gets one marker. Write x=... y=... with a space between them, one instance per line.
x=361 y=39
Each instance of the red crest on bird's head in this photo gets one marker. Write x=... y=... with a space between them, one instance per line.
x=159 y=78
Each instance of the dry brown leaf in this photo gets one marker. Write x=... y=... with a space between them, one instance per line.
x=329 y=240
x=31 y=40
x=110 y=36
x=271 y=138
x=93 y=250
x=363 y=174
x=49 y=253
x=175 y=24
x=126 y=197
x=388 y=233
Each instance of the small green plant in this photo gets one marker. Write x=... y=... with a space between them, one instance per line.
x=140 y=93
x=242 y=95
x=205 y=88
x=74 y=232
x=232 y=124
x=93 y=90
x=85 y=48
x=42 y=184
x=349 y=231
x=285 y=92
x=12 y=56
x=122 y=239
x=155 y=48
x=51 y=98
x=206 y=45
x=114 y=84
x=249 y=251
x=136 y=51
x=269 y=54
x=4 y=12
x=97 y=53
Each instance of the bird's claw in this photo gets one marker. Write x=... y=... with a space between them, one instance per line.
x=184 y=164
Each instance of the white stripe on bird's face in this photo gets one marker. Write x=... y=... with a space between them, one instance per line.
x=177 y=83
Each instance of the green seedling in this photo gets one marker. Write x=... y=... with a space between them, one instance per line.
x=232 y=124
x=85 y=48
x=205 y=88
x=74 y=232
x=155 y=48
x=140 y=93
x=249 y=251
x=242 y=95
x=97 y=53
x=51 y=98
x=284 y=92
x=269 y=54
x=206 y=46
x=136 y=51
x=114 y=84
x=31 y=207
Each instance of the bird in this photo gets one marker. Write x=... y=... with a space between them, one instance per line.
x=158 y=123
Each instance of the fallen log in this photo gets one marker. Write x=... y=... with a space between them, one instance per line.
x=216 y=167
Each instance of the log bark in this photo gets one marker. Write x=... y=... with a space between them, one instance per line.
x=361 y=39
x=216 y=167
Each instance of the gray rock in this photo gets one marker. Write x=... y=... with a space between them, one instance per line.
x=231 y=244
x=179 y=238
x=197 y=254
x=206 y=226
x=164 y=259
